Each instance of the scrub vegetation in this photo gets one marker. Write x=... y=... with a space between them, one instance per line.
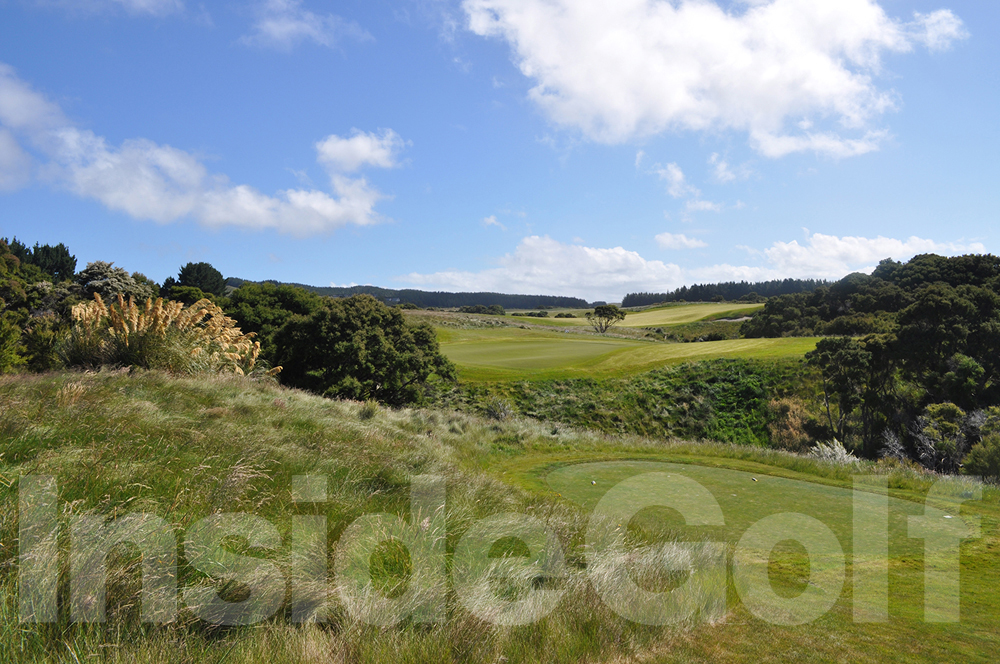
x=205 y=396
x=186 y=448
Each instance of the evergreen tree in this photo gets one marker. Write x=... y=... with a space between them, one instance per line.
x=203 y=276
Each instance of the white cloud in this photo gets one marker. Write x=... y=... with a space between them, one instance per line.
x=703 y=206
x=23 y=109
x=638 y=158
x=832 y=257
x=492 y=221
x=282 y=24
x=678 y=241
x=677 y=185
x=621 y=70
x=543 y=265
x=939 y=29
x=724 y=173
x=360 y=149
x=15 y=164
x=773 y=145
x=161 y=183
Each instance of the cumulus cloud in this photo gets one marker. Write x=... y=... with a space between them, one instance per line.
x=678 y=241
x=938 y=30
x=282 y=24
x=832 y=257
x=622 y=70
x=146 y=180
x=361 y=149
x=544 y=265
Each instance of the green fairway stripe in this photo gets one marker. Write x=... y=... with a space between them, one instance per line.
x=516 y=354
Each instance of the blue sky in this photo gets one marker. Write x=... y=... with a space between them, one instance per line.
x=576 y=147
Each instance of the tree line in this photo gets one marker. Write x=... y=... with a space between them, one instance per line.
x=353 y=347
x=442 y=299
x=909 y=359
x=730 y=290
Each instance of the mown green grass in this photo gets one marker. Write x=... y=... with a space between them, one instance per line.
x=688 y=313
x=791 y=484
x=743 y=500
x=188 y=448
x=504 y=354
x=665 y=316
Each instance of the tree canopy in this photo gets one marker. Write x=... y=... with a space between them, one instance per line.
x=203 y=276
x=604 y=317
x=359 y=348
x=264 y=308
x=108 y=281
x=54 y=262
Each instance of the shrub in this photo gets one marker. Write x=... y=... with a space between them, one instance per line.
x=498 y=408
x=565 y=315
x=940 y=439
x=160 y=335
x=10 y=343
x=492 y=310
x=104 y=279
x=359 y=348
x=41 y=338
x=834 y=452
x=788 y=428
x=984 y=458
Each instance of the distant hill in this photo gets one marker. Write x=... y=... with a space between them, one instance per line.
x=438 y=298
x=731 y=290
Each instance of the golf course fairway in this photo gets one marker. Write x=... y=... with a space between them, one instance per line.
x=525 y=354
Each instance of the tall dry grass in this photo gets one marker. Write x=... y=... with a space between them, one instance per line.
x=159 y=335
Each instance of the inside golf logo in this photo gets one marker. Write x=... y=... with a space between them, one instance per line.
x=504 y=590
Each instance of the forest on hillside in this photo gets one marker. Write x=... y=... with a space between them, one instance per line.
x=730 y=291
x=442 y=299
x=909 y=357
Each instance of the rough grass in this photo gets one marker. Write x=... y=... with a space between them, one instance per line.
x=187 y=448
x=721 y=400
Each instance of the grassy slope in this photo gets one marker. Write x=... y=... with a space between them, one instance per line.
x=186 y=448
x=515 y=354
x=666 y=316
x=688 y=313
x=724 y=400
